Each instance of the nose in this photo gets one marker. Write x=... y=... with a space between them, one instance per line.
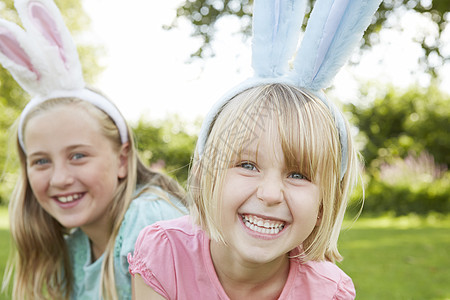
x=270 y=190
x=61 y=176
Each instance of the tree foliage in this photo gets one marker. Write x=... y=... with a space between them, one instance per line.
x=407 y=151
x=204 y=14
x=166 y=146
x=400 y=123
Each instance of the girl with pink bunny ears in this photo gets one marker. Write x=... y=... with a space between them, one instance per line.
x=273 y=169
x=83 y=194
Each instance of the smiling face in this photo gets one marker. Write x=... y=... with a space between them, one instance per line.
x=73 y=168
x=283 y=135
x=268 y=207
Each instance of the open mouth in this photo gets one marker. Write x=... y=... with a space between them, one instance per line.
x=264 y=226
x=69 y=198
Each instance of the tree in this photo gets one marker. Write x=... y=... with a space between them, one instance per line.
x=12 y=96
x=204 y=14
x=406 y=146
x=166 y=147
x=400 y=123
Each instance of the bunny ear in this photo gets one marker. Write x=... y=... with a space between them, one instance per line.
x=45 y=25
x=276 y=27
x=333 y=31
x=44 y=61
x=16 y=55
x=12 y=50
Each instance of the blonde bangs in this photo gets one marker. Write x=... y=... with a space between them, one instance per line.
x=231 y=131
x=308 y=136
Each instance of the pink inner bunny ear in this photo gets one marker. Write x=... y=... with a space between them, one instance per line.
x=11 y=48
x=44 y=22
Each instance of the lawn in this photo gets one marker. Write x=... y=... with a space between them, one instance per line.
x=403 y=258
x=4 y=246
x=387 y=258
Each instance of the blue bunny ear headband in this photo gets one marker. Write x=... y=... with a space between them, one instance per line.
x=44 y=60
x=333 y=31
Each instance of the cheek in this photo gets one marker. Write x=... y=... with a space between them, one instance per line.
x=306 y=207
x=103 y=180
x=239 y=185
x=37 y=182
x=39 y=188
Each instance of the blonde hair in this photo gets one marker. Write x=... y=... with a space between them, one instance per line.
x=310 y=141
x=41 y=263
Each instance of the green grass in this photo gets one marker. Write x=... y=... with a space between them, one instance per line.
x=404 y=258
x=387 y=258
x=4 y=254
x=4 y=247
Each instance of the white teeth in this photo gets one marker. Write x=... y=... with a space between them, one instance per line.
x=262 y=226
x=69 y=198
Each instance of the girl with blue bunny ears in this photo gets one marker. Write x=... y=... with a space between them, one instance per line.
x=83 y=194
x=273 y=169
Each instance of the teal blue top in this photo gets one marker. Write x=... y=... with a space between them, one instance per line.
x=144 y=210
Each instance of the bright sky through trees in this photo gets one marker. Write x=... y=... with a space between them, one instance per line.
x=146 y=70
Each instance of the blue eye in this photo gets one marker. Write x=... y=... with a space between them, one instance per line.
x=247 y=166
x=77 y=156
x=40 y=161
x=295 y=175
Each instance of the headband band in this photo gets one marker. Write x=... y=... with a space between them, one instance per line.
x=255 y=82
x=86 y=95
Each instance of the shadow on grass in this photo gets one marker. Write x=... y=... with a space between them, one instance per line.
x=387 y=263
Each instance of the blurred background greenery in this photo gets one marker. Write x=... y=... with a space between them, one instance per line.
x=398 y=249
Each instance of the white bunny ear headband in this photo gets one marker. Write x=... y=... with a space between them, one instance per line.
x=44 y=60
x=333 y=31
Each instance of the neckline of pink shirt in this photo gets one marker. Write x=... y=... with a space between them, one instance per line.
x=209 y=266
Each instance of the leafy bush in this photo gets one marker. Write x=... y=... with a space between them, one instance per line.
x=399 y=123
x=166 y=145
x=410 y=185
x=402 y=200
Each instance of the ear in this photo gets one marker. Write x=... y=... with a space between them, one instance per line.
x=17 y=55
x=123 y=160
x=46 y=28
x=276 y=29
x=11 y=37
x=319 y=216
x=42 y=19
x=319 y=220
x=334 y=29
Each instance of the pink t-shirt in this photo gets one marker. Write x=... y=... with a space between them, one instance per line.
x=173 y=258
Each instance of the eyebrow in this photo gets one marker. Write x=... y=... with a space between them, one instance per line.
x=74 y=147
x=69 y=148
x=38 y=153
x=251 y=152
x=246 y=151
